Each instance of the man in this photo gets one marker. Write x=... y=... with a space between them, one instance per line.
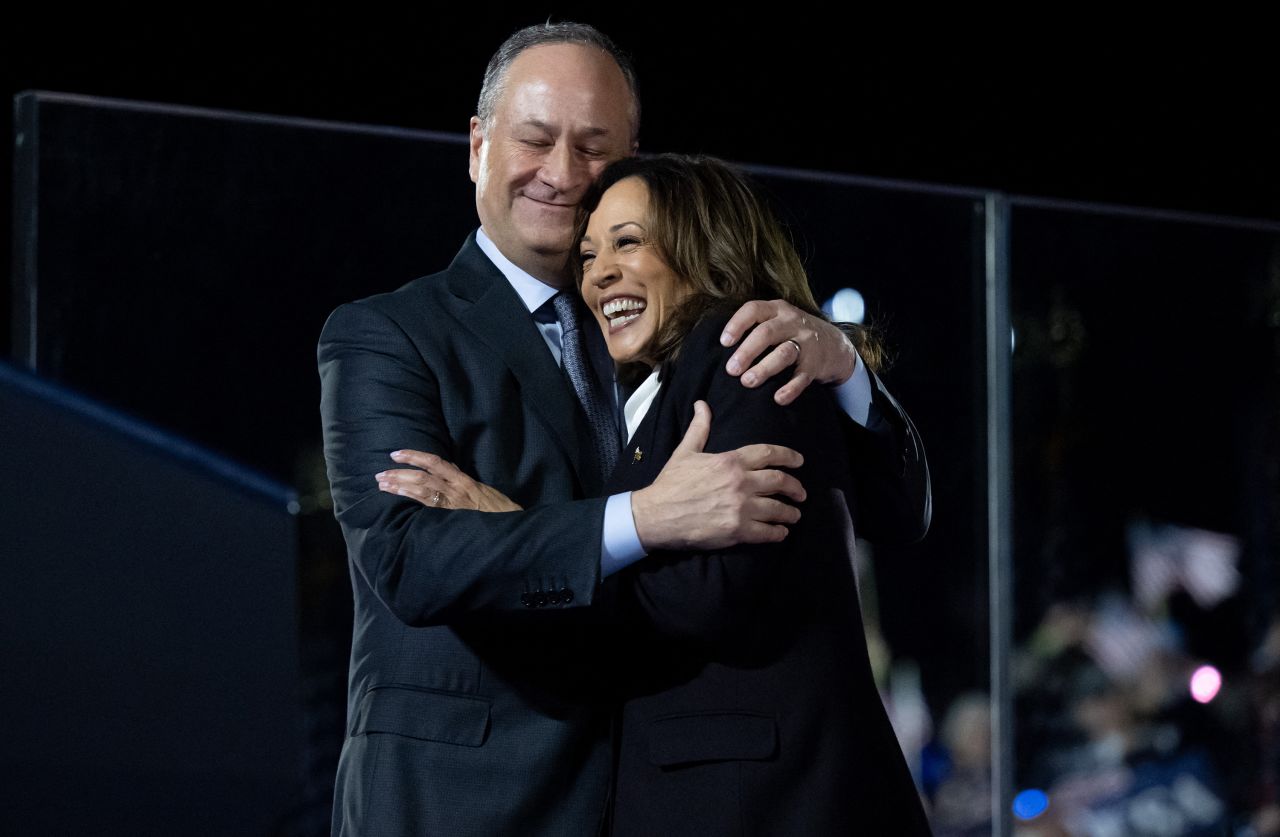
x=470 y=704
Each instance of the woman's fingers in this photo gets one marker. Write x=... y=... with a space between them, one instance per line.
x=417 y=485
x=440 y=484
x=442 y=468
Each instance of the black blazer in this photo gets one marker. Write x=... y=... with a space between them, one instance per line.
x=749 y=701
x=471 y=707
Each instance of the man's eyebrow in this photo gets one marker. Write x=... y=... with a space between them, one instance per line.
x=590 y=131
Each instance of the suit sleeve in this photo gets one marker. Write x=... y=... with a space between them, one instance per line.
x=891 y=473
x=433 y=566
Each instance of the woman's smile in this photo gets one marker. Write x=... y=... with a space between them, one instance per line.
x=625 y=280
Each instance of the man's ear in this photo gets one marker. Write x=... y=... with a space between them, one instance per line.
x=477 y=143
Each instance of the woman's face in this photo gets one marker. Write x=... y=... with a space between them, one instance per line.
x=625 y=282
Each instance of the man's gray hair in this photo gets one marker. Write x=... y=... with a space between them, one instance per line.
x=495 y=75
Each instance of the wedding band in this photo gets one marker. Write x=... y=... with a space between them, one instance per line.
x=436 y=498
x=797 y=345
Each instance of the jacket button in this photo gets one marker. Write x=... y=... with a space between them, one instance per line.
x=566 y=595
x=539 y=599
x=526 y=599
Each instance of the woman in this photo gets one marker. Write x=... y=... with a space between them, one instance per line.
x=748 y=705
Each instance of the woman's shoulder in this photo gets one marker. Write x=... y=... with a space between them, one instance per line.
x=703 y=340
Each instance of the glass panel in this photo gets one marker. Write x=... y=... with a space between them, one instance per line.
x=915 y=257
x=184 y=261
x=179 y=264
x=1144 y=444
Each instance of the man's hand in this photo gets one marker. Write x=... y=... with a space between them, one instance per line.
x=704 y=501
x=820 y=351
x=440 y=484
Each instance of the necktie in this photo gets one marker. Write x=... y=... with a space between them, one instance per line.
x=573 y=356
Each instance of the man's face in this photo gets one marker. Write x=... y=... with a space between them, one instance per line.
x=564 y=113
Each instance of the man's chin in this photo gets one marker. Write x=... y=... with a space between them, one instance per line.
x=550 y=246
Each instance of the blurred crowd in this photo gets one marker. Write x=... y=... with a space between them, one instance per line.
x=1128 y=720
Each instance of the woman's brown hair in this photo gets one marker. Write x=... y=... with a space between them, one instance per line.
x=715 y=231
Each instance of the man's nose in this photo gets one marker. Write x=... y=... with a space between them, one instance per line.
x=563 y=170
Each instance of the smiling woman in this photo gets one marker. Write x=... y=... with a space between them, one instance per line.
x=748 y=704
x=627 y=283
x=664 y=240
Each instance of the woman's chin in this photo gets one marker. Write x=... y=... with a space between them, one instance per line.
x=625 y=347
x=629 y=356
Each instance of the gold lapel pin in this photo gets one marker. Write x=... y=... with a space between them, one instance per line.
x=639 y=454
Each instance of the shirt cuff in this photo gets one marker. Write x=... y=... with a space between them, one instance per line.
x=854 y=394
x=619 y=544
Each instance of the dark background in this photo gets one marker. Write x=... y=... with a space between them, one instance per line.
x=1143 y=118
x=1169 y=114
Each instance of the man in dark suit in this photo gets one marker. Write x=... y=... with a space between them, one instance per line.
x=471 y=707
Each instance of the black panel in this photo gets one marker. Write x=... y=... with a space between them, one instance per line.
x=148 y=614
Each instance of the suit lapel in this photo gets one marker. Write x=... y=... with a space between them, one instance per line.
x=497 y=316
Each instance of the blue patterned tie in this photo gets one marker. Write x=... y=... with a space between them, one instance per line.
x=577 y=366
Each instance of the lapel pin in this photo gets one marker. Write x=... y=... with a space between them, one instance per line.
x=639 y=454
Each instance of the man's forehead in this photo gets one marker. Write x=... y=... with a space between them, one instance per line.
x=556 y=84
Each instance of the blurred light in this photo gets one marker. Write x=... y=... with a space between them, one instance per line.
x=1030 y=804
x=847 y=306
x=1205 y=684
x=1013 y=341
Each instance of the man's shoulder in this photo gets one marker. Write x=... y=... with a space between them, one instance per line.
x=430 y=292
x=424 y=287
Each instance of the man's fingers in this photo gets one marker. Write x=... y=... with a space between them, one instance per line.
x=745 y=317
x=770 y=511
x=695 y=438
x=770 y=482
x=755 y=457
x=791 y=390
x=763 y=533
x=755 y=344
x=783 y=355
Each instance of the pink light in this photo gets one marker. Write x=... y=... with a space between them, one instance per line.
x=1205 y=684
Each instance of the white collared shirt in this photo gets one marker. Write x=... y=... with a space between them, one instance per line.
x=534 y=293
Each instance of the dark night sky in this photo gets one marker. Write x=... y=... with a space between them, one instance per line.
x=1145 y=119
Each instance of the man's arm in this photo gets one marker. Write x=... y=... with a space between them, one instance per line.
x=428 y=565
x=890 y=471
x=887 y=457
x=438 y=565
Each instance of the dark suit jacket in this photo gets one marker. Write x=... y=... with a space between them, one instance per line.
x=749 y=701
x=471 y=707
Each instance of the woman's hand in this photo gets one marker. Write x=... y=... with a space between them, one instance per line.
x=440 y=484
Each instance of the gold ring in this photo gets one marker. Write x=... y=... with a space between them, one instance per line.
x=797 y=345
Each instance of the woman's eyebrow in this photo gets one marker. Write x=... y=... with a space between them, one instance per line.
x=617 y=227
